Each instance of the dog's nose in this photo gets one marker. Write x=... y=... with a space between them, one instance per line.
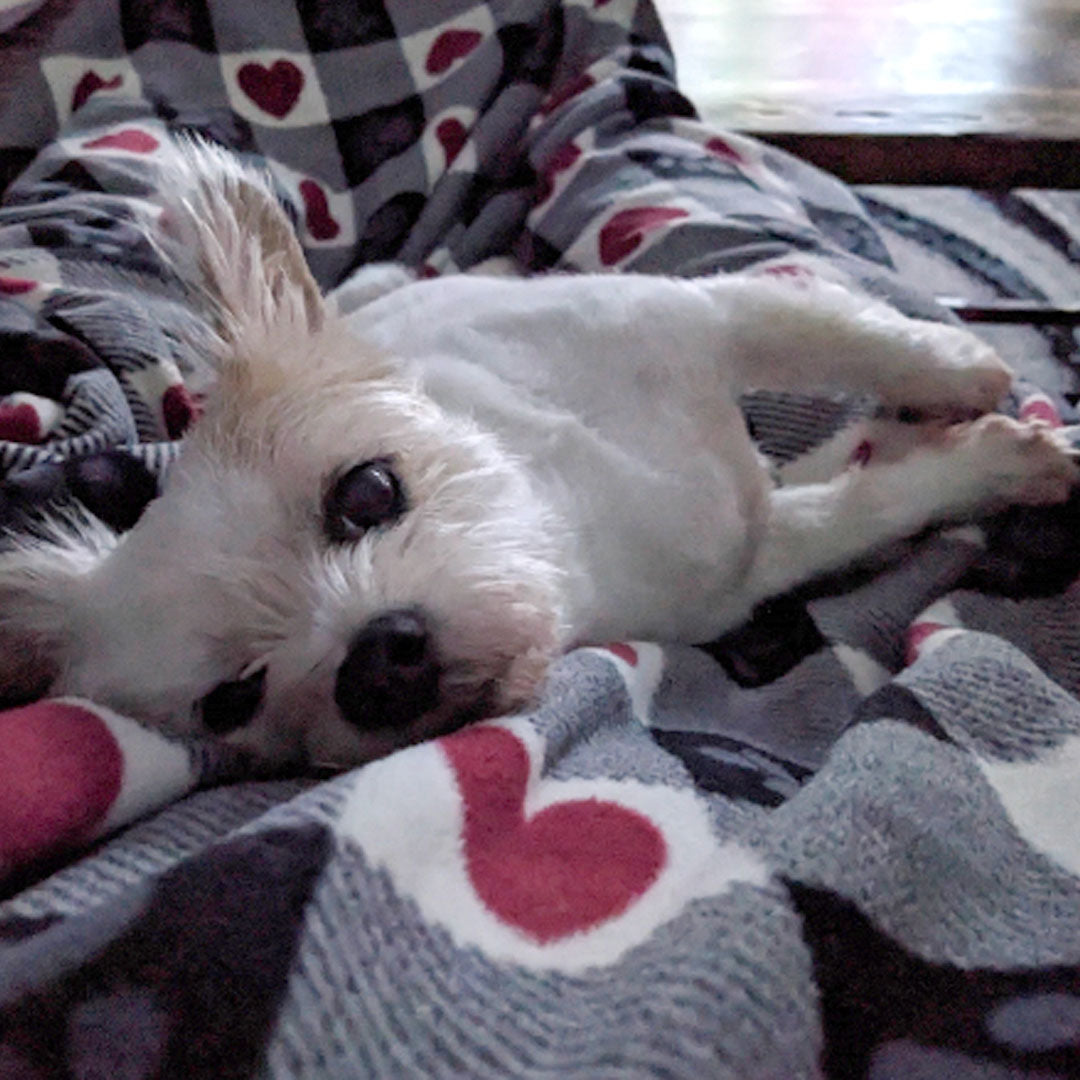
x=390 y=675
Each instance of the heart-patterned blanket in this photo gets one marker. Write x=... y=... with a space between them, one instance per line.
x=840 y=842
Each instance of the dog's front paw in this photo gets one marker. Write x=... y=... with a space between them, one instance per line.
x=1028 y=463
x=956 y=376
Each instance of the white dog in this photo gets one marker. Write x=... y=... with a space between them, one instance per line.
x=390 y=522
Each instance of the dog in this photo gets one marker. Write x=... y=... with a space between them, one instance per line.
x=405 y=499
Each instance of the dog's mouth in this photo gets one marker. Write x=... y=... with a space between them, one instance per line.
x=451 y=713
x=389 y=680
x=392 y=690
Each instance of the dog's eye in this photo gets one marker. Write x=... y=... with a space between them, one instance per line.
x=365 y=497
x=231 y=705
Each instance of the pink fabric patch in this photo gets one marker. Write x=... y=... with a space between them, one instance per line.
x=916 y=636
x=565 y=92
x=60 y=771
x=626 y=653
x=568 y=867
x=451 y=135
x=723 y=149
x=320 y=222
x=863 y=453
x=450 y=46
x=1040 y=408
x=13 y=286
x=624 y=233
x=90 y=84
x=20 y=423
x=131 y=139
x=179 y=410
x=798 y=274
x=559 y=162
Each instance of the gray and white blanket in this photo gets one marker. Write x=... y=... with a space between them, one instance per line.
x=841 y=842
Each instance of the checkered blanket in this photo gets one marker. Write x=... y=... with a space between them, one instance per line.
x=841 y=842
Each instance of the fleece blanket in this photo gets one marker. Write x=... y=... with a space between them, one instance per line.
x=841 y=842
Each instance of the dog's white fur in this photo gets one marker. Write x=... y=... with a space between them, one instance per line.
x=576 y=467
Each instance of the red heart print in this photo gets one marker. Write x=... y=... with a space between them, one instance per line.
x=20 y=423
x=862 y=454
x=565 y=869
x=565 y=92
x=451 y=134
x=320 y=222
x=274 y=89
x=1038 y=407
x=89 y=84
x=626 y=653
x=62 y=769
x=915 y=637
x=561 y=160
x=792 y=272
x=722 y=148
x=131 y=139
x=13 y=286
x=449 y=46
x=179 y=410
x=625 y=231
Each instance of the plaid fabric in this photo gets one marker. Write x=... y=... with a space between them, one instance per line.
x=837 y=843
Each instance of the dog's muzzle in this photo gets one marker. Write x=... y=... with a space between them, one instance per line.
x=390 y=676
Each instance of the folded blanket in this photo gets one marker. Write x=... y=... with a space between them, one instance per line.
x=840 y=842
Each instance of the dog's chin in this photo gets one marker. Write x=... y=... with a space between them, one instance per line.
x=358 y=747
x=299 y=721
x=322 y=739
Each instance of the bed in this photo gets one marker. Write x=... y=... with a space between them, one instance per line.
x=840 y=842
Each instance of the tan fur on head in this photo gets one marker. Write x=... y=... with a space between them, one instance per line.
x=249 y=260
x=234 y=567
x=274 y=362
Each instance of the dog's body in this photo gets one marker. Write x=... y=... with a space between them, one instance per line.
x=620 y=395
x=605 y=391
x=391 y=519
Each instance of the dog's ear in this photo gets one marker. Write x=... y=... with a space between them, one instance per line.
x=225 y=229
x=42 y=575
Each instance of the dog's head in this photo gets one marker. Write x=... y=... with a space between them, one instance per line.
x=336 y=566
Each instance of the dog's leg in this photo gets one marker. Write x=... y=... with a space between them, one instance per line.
x=879 y=440
x=965 y=469
x=787 y=336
